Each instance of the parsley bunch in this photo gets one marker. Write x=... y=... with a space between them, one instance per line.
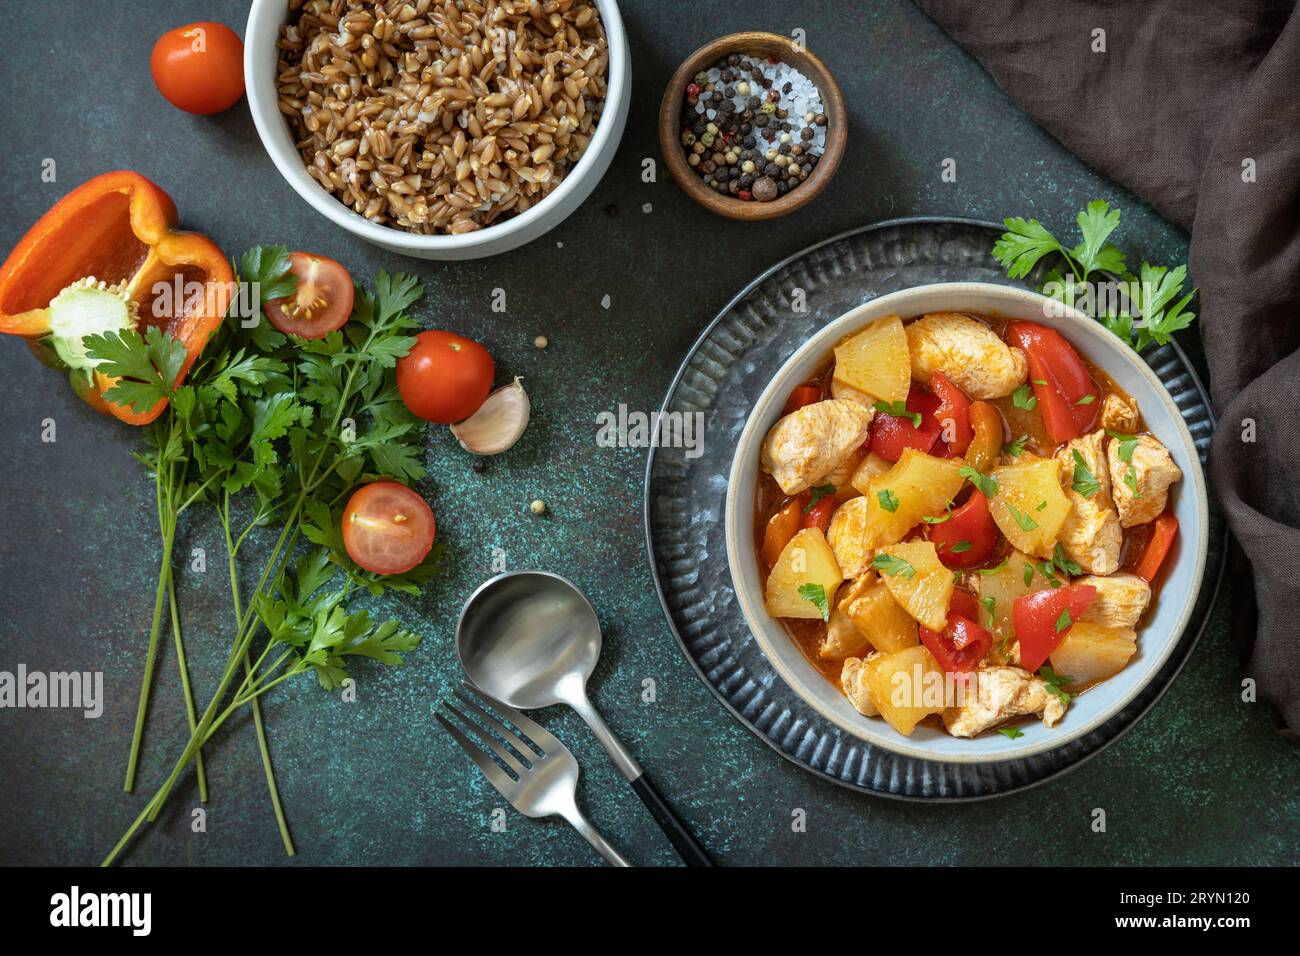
x=271 y=431
x=1150 y=311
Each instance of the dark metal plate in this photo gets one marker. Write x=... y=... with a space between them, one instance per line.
x=722 y=376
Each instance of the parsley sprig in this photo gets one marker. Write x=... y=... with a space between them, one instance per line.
x=1157 y=307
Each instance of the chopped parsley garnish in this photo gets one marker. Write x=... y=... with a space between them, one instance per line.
x=1026 y=523
x=1021 y=398
x=938 y=519
x=888 y=500
x=890 y=564
x=1066 y=566
x=1041 y=506
x=960 y=546
x=817 y=493
x=1131 y=479
x=1029 y=574
x=1127 y=443
x=816 y=594
x=996 y=568
x=1045 y=568
x=1064 y=620
x=1085 y=482
x=1055 y=682
x=989 y=603
x=899 y=410
x=1039 y=381
x=1086 y=400
x=1016 y=447
x=987 y=484
x=1014 y=733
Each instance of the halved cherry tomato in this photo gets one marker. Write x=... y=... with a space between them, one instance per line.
x=819 y=515
x=891 y=434
x=199 y=67
x=986 y=445
x=1163 y=532
x=781 y=527
x=953 y=413
x=963 y=643
x=1060 y=379
x=322 y=303
x=801 y=396
x=971 y=531
x=1039 y=622
x=445 y=377
x=387 y=527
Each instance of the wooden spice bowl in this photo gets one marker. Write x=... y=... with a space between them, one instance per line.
x=762 y=45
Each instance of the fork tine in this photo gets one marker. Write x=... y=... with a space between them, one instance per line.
x=496 y=776
x=512 y=738
x=507 y=757
x=546 y=741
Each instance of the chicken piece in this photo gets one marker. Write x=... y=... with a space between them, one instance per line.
x=841 y=476
x=1140 y=485
x=1119 y=415
x=843 y=639
x=967 y=352
x=843 y=390
x=996 y=695
x=850 y=536
x=804 y=446
x=853 y=681
x=1120 y=600
x=1091 y=535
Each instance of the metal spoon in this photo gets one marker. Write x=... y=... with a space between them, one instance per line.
x=531 y=639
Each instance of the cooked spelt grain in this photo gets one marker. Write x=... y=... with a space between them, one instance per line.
x=441 y=116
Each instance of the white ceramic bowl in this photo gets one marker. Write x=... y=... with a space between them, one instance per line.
x=1161 y=627
x=264 y=21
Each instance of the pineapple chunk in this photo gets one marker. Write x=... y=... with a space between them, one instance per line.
x=806 y=561
x=881 y=619
x=918 y=485
x=927 y=590
x=1093 y=652
x=1030 y=506
x=867 y=469
x=906 y=686
x=876 y=360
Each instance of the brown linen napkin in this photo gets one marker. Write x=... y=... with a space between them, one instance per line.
x=1187 y=96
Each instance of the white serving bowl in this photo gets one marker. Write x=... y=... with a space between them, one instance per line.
x=1161 y=627
x=264 y=22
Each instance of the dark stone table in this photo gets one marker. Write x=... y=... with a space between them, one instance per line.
x=1203 y=779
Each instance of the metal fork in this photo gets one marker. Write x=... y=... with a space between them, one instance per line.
x=538 y=785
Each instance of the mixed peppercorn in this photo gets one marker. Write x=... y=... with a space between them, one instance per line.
x=752 y=128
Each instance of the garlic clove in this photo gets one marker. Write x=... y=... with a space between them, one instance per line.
x=499 y=422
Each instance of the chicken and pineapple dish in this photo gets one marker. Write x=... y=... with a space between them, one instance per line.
x=961 y=519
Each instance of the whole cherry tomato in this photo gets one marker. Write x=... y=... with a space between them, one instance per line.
x=445 y=377
x=199 y=67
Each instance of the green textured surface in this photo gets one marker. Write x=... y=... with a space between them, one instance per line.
x=1203 y=779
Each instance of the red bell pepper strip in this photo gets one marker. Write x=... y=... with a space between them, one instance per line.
x=953 y=414
x=1043 y=618
x=1060 y=379
x=969 y=537
x=119 y=228
x=1163 y=532
x=890 y=434
x=801 y=396
x=963 y=644
x=819 y=515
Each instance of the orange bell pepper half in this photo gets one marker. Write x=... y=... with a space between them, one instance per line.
x=119 y=228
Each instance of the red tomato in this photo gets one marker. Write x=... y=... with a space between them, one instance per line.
x=819 y=515
x=1053 y=361
x=199 y=67
x=963 y=643
x=954 y=407
x=971 y=530
x=890 y=434
x=1163 y=532
x=801 y=396
x=1039 y=624
x=387 y=527
x=445 y=377
x=322 y=303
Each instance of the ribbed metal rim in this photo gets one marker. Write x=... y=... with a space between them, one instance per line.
x=1169 y=363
